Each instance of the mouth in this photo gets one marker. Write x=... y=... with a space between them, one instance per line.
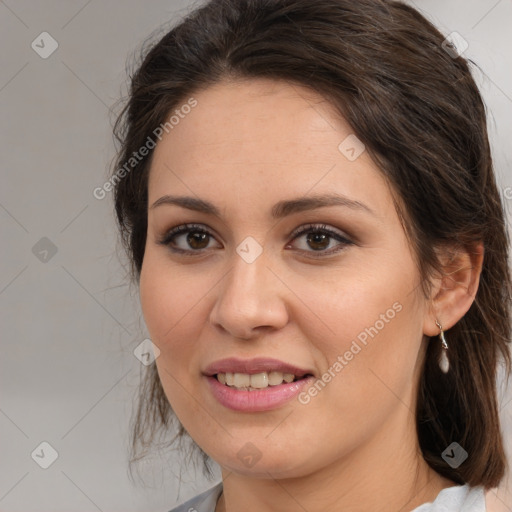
x=257 y=381
x=254 y=385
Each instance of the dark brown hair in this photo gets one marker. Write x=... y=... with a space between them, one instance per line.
x=415 y=106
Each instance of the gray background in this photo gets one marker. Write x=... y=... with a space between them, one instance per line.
x=70 y=324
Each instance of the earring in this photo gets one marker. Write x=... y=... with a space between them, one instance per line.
x=444 y=363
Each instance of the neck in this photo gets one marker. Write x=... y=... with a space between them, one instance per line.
x=387 y=474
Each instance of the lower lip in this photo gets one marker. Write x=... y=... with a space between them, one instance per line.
x=266 y=399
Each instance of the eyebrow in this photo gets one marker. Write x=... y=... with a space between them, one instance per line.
x=279 y=210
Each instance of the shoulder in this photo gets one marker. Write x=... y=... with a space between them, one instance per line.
x=460 y=498
x=204 y=502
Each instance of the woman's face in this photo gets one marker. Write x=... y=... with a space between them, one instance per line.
x=269 y=276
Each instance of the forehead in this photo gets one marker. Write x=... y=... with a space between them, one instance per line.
x=245 y=113
x=264 y=136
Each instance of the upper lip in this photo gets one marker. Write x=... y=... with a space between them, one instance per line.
x=251 y=366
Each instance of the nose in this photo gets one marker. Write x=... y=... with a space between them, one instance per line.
x=251 y=300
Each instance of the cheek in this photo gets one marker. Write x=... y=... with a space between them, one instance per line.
x=366 y=334
x=169 y=296
x=170 y=301
x=169 y=304
x=347 y=303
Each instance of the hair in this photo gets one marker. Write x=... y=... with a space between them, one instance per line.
x=415 y=105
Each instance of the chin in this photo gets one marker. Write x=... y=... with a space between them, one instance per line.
x=265 y=463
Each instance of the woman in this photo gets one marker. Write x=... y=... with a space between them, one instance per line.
x=306 y=194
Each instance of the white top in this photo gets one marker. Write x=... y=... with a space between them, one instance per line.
x=460 y=498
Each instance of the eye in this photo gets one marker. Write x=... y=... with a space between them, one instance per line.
x=192 y=237
x=319 y=238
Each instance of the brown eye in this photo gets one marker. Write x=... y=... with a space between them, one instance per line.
x=197 y=240
x=187 y=238
x=320 y=239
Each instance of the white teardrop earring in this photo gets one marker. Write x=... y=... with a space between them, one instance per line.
x=444 y=363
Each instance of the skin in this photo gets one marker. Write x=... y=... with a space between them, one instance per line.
x=246 y=146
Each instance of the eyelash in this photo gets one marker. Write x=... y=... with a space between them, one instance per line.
x=309 y=228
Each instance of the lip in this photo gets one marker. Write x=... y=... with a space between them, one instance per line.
x=266 y=399
x=252 y=366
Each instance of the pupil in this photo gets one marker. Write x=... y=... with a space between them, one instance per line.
x=318 y=238
x=195 y=238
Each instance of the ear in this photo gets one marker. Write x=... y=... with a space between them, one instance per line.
x=455 y=290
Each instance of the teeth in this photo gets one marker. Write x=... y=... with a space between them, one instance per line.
x=275 y=378
x=241 y=380
x=255 y=381
x=259 y=380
